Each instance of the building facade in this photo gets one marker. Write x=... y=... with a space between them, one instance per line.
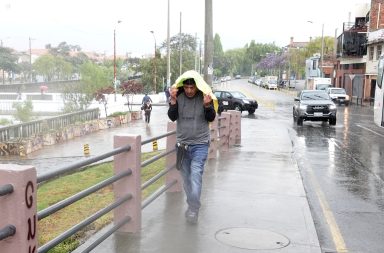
x=375 y=44
x=351 y=55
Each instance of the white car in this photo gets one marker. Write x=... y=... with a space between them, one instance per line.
x=338 y=95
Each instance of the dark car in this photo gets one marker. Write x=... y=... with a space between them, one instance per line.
x=235 y=100
x=314 y=105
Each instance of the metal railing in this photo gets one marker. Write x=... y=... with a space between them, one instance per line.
x=33 y=128
x=53 y=86
x=8 y=230
x=127 y=193
x=128 y=196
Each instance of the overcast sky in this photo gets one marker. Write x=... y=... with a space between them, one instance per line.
x=90 y=24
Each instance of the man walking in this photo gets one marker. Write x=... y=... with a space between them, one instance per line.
x=193 y=111
x=146 y=98
x=147 y=111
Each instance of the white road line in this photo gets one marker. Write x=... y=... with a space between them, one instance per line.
x=329 y=217
x=365 y=128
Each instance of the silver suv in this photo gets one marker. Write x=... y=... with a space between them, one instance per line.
x=314 y=105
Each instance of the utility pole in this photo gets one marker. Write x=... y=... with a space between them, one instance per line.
x=335 y=45
x=181 y=49
x=114 y=59
x=322 y=51
x=154 y=65
x=168 y=52
x=196 y=52
x=200 y=56
x=30 y=60
x=208 y=43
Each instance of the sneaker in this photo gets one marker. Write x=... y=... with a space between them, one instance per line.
x=191 y=216
x=187 y=213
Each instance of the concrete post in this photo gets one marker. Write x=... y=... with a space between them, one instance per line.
x=170 y=161
x=132 y=184
x=224 y=124
x=19 y=208
x=212 y=152
x=208 y=43
x=235 y=128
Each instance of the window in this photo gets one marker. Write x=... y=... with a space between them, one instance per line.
x=378 y=52
x=314 y=64
x=358 y=66
x=217 y=94
x=380 y=73
x=370 y=57
x=226 y=95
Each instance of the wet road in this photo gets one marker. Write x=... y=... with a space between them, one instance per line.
x=341 y=167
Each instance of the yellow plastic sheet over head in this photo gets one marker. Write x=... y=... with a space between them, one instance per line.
x=200 y=84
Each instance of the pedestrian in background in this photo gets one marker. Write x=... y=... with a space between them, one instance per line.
x=167 y=94
x=146 y=98
x=193 y=111
x=147 y=111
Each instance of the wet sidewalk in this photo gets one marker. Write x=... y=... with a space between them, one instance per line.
x=51 y=158
x=253 y=200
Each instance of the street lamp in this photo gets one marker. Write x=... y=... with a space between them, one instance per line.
x=154 y=64
x=114 y=58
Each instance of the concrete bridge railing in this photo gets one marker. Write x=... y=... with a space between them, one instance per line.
x=19 y=184
x=25 y=130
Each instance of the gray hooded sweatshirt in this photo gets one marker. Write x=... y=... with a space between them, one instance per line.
x=192 y=119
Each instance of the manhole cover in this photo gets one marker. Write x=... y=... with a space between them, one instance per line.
x=249 y=238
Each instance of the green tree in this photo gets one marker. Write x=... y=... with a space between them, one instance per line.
x=45 y=66
x=314 y=46
x=234 y=59
x=146 y=68
x=63 y=69
x=5 y=122
x=296 y=58
x=102 y=99
x=25 y=69
x=63 y=49
x=129 y=89
x=256 y=52
x=8 y=61
x=77 y=60
x=93 y=78
x=70 y=54
x=188 y=50
x=23 y=110
x=53 y=67
x=218 y=56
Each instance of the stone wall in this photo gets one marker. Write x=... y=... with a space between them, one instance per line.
x=22 y=147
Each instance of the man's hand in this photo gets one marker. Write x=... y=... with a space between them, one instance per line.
x=173 y=95
x=207 y=100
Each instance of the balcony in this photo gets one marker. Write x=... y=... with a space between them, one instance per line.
x=353 y=41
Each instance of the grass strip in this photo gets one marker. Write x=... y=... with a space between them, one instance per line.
x=66 y=186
